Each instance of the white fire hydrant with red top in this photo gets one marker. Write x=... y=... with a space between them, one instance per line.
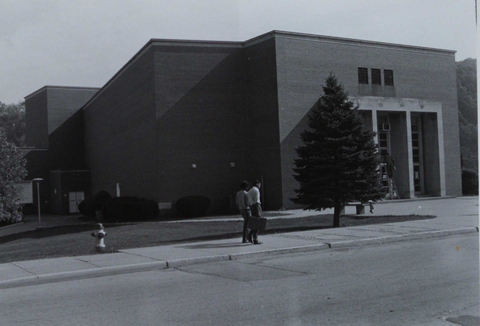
x=100 y=235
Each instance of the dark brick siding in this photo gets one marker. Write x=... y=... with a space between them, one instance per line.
x=262 y=111
x=120 y=132
x=64 y=102
x=67 y=148
x=36 y=119
x=200 y=108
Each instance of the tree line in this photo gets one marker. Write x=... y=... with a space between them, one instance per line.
x=12 y=122
x=467 y=112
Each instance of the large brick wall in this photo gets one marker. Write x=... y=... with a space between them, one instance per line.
x=262 y=110
x=120 y=132
x=196 y=118
x=36 y=119
x=63 y=102
x=201 y=121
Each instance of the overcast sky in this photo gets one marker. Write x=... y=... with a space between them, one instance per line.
x=85 y=42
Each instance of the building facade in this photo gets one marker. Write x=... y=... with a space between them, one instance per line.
x=197 y=117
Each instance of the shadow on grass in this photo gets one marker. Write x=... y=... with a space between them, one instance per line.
x=51 y=232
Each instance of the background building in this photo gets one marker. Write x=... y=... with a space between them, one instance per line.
x=55 y=147
x=197 y=117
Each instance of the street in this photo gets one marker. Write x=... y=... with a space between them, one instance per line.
x=420 y=282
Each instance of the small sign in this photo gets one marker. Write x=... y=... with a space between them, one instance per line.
x=26 y=192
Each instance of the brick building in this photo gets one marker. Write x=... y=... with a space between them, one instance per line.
x=197 y=117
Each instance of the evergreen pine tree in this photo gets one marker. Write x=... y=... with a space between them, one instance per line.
x=338 y=162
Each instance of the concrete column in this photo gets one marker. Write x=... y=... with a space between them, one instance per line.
x=441 y=154
x=375 y=124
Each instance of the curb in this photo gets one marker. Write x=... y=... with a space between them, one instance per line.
x=402 y=237
x=193 y=261
x=283 y=251
x=82 y=274
x=144 y=267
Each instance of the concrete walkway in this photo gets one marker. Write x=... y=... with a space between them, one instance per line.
x=454 y=216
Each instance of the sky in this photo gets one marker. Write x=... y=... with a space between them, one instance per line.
x=83 y=43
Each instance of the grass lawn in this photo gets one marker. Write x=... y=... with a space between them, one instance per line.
x=76 y=240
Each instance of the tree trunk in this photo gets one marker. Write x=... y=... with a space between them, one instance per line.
x=336 y=216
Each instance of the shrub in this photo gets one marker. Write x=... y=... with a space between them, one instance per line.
x=130 y=209
x=87 y=207
x=100 y=200
x=91 y=204
x=193 y=206
x=469 y=182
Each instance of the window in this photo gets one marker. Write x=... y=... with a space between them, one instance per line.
x=376 y=77
x=363 y=75
x=388 y=77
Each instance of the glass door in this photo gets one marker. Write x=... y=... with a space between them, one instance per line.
x=384 y=147
x=417 y=154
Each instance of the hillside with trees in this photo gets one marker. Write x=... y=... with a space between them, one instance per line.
x=467 y=112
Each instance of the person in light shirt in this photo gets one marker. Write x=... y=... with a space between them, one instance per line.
x=256 y=209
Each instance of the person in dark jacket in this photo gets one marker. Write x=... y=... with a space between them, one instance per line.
x=244 y=208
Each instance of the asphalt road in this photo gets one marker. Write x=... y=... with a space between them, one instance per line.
x=423 y=282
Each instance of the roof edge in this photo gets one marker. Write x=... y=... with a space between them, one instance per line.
x=252 y=41
x=44 y=88
x=279 y=33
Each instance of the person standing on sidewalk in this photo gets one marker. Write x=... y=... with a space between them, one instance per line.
x=242 y=203
x=256 y=208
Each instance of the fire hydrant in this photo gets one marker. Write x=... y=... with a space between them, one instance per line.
x=100 y=235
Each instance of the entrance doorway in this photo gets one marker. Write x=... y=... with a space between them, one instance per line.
x=384 y=146
x=417 y=154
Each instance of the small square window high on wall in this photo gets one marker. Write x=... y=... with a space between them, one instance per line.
x=376 y=77
x=363 y=75
x=388 y=77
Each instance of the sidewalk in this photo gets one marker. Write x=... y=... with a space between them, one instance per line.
x=453 y=216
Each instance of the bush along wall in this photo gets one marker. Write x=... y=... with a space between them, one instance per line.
x=123 y=209
x=469 y=182
x=105 y=208
x=94 y=206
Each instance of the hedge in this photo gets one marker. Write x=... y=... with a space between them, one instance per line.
x=469 y=182
x=130 y=209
